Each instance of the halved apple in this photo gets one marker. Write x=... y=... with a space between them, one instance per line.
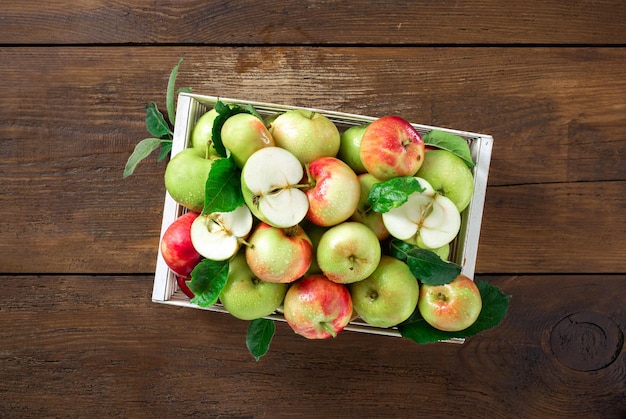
x=270 y=186
x=219 y=235
x=428 y=216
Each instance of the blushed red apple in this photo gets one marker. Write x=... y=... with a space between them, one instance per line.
x=177 y=249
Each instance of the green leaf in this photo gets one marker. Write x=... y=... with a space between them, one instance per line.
x=166 y=148
x=451 y=142
x=223 y=187
x=425 y=264
x=495 y=305
x=155 y=123
x=259 y=337
x=224 y=112
x=208 y=279
x=142 y=150
x=392 y=193
x=170 y=99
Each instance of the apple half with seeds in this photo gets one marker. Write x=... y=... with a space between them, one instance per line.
x=218 y=236
x=427 y=216
x=270 y=186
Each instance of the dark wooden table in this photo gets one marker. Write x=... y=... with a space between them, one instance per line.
x=79 y=335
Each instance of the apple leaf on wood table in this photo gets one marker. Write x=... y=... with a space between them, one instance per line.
x=259 y=336
x=495 y=305
x=208 y=279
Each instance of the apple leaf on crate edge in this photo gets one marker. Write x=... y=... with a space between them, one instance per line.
x=451 y=142
x=495 y=305
x=208 y=279
x=424 y=264
x=259 y=336
x=392 y=193
x=223 y=187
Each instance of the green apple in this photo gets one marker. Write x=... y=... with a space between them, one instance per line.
x=247 y=297
x=279 y=254
x=334 y=193
x=349 y=149
x=243 y=134
x=218 y=236
x=388 y=296
x=451 y=307
x=449 y=175
x=306 y=134
x=185 y=177
x=428 y=216
x=364 y=213
x=391 y=147
x=348 y=252
x=202 y=133
x=270 y=186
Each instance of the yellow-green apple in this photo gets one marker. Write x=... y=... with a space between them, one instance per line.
x=185 y=178
x=243 y=134
x=443 y=252
x=449 y=175
x=218 y=236
x=388 y=296
x=306 y=134
x=316 y=307
x=246 y=296
x=349 y=150
x=334 y=191
x=364 y=213
x=182 y=285
x=428 y=216
x=176 y=247
x=278 y=254
x=451 y=307
x=270 y=186
x=348 y=252
x=391 y=147
x=202 y=133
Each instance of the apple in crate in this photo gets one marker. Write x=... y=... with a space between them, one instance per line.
x=270 y=186
x=449 y=175
x=176 y=246
x=306 y=134
x=279 y=254
x=387 y=297
x=186 y=175
x=391 y=147
x=426 y=216
x=364 y=213
x=317 y=308
x=218 y=236
x=202 y=133
x=243 y=134
x=451 y=307
x=182 y=285
x=349 y=150
x=246 y=296
x=335 y=191
x=348 y=252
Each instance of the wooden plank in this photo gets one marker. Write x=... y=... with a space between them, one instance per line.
x=98 y=346
x=557 y=116
x=314 y=23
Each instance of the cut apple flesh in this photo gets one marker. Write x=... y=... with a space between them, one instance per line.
x=270 y=180
x=427 y=215
x=218 y=236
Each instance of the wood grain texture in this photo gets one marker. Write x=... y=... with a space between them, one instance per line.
x=71 y=117
x=98 y=344
x=314 y=22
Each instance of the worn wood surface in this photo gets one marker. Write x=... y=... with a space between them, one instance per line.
x=79 y=336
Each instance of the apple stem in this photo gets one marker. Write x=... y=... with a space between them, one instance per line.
x=245 y=243
x=328 y=328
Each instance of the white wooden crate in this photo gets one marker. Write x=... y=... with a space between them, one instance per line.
x=463 y=249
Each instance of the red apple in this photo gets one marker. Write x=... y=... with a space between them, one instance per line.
x=279 y=254
x=335 y=191
x=317 y=308
x=182 y=285
x=176 y=247
x=451 y=307
x=391 y=147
